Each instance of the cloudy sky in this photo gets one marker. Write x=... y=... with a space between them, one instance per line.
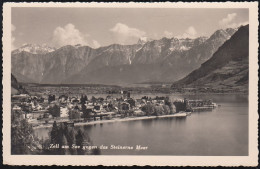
x=104 y=26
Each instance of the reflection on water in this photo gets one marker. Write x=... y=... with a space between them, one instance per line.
x=223 y=131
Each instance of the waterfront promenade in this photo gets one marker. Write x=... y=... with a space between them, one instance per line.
x=181 y=114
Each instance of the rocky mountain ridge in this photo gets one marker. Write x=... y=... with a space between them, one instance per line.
x=227 y=69
x=164 y=60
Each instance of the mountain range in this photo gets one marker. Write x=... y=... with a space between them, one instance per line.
x=163 y=60
x=226 y=69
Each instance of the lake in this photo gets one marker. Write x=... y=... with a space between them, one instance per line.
x=221 y=132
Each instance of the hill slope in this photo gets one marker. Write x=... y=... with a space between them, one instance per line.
x=226 y=69
x=16 y=87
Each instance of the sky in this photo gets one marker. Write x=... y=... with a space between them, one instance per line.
x=97 y=27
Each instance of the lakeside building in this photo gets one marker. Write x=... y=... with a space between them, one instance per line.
x=16 y=108
x=21 y=96
x=125 y=94
x=64 y=112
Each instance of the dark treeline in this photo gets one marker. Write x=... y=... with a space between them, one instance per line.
x=65 y=140
x=24 y=141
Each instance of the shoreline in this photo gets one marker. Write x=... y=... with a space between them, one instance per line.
x=117 y=120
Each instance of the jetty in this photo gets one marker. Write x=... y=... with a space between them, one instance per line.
x=201 y=105
x=198 y=109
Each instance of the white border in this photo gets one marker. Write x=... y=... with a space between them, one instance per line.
x=251 y=160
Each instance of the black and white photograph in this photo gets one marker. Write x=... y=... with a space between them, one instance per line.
x=121 y=81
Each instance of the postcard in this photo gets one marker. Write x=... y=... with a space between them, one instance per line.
x=159 y=84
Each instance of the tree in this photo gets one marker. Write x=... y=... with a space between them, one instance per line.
x=79 y=142
x=131 y=102
x=54 y=111
x=23 y=141
x=74 y=114
x=25 y=108
x=158 y=110
x=63 y=146
x=86 y=114
x=51 y=98
x=84 y=111
x=179 y=106
x=166 y=109
x=83 y=107
x=145 y=98
x=148 y=109
x=71 y=140
x=187 y=105
x=79 y=137
x=110 y=107
x=63 y=136
x=170 y=104
x=54 y=133
x=66 y=137
x=100 y=99
x=83 y=99
x=172 y=107
x=93 y=99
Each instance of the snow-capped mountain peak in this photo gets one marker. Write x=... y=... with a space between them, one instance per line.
x=34 y=49
x=143 y=40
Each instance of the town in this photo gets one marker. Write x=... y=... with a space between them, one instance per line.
x=43 y=111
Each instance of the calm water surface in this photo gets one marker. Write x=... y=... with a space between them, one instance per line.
x=223 y=131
